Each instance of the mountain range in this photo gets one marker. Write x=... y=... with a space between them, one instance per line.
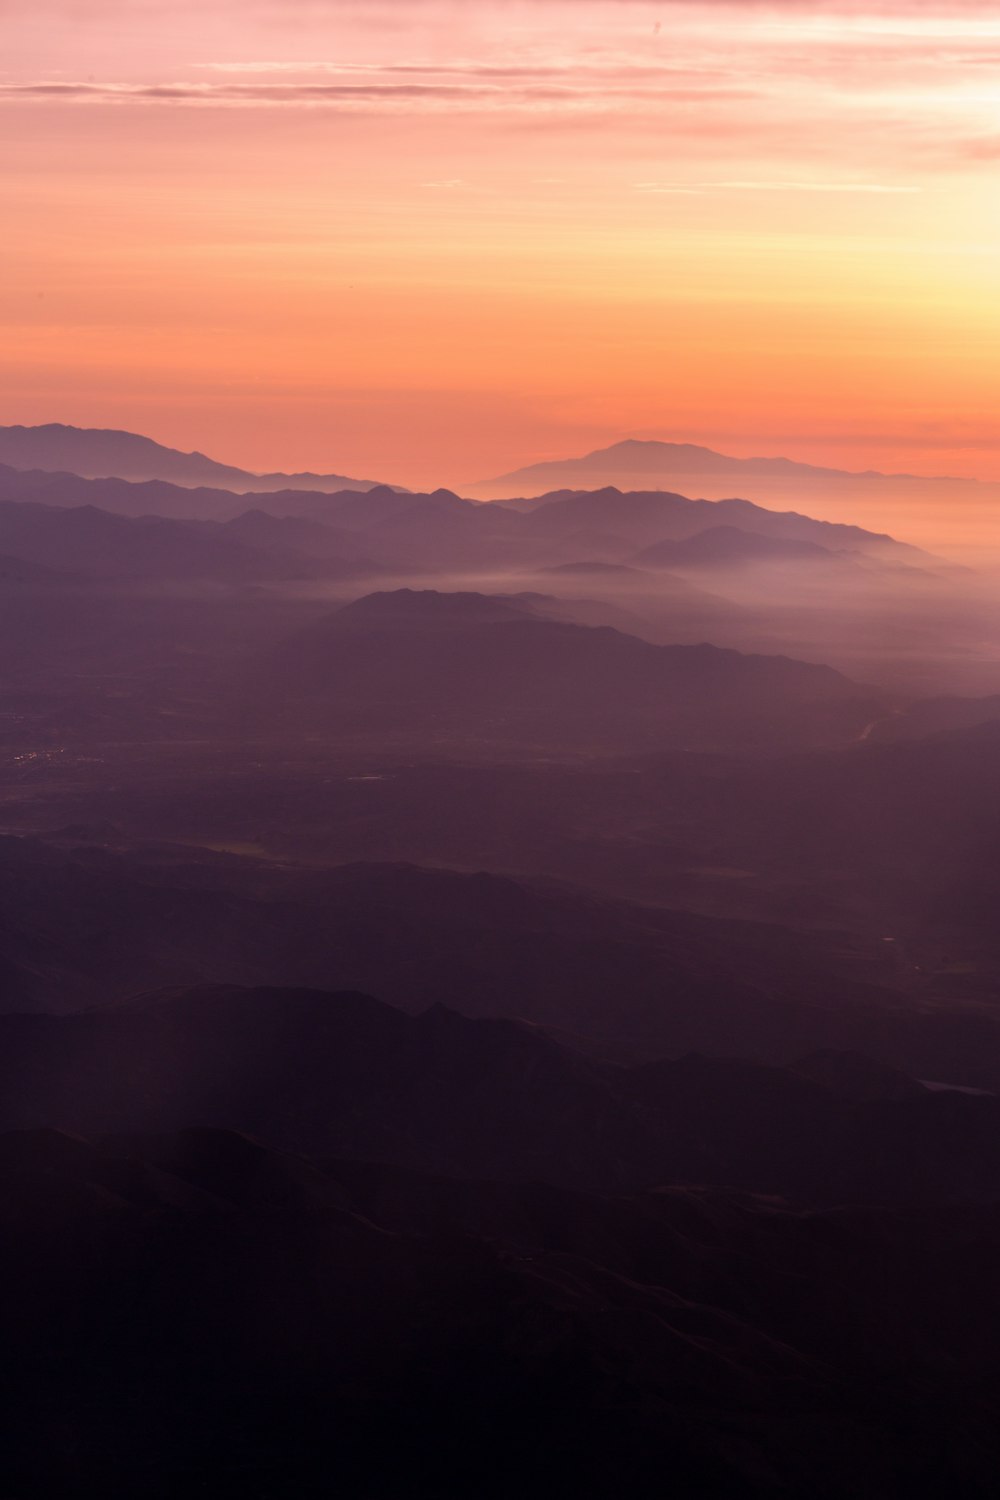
x=97 y=453
x=441 y=531
x=909 y=503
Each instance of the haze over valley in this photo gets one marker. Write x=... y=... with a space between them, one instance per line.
x=412 y=853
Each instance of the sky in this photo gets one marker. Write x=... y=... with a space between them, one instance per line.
x=428 y=241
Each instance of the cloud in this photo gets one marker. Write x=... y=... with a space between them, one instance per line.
x=816 y=186
x=518 y=92
x=759 y=98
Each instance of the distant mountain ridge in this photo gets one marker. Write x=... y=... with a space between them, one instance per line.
x=649 y=457
x=99 y=453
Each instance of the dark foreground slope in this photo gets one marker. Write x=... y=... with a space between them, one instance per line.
x=196 y=1314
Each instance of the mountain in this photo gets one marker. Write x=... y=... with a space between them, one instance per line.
x=441 y=532
x=731 y=547
x=15 y=571
x=115 y=530
x=468 y=666
x=85 y=542
x=200 y=1308
x=133 y=498
x=646 y=458
x=644 y=517
x=881 y=502
x=410 y=532
x=96 y=453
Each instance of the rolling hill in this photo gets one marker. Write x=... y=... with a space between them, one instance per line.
x=200 y=1307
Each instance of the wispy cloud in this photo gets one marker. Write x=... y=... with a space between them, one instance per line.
x=816 y=186
x=519 y=91
x=870 y=86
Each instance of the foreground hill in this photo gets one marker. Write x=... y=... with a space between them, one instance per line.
x=251 y=1323
x=343 y=1074
x=470 y=665
x=98 y=453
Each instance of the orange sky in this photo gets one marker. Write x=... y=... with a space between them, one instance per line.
x=429 y=242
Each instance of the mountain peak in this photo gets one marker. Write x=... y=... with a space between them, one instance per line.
x=651 y=463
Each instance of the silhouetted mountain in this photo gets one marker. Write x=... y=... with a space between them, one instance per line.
x=644 y=518
x=470 y=665
x=646 y=458
x=293 y=536
x=441 y=531
x=92 y=543
x=408 y=532
x=96 y=453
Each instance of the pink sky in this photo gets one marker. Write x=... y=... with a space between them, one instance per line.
x=430 y=242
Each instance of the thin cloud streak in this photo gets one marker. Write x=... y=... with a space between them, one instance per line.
x=776 y=187
x=338 y=93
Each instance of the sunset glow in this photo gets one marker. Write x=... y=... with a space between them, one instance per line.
x=429 y=242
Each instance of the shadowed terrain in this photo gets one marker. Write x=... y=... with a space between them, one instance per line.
x=495 y=999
